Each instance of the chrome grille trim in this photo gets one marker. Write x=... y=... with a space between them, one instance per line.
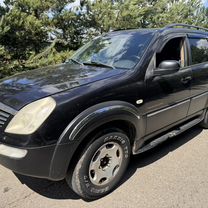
x=6 y=109
x=1 y=123
x=5 y=113
x=3 y=117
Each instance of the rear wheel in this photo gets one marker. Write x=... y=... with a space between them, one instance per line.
x=204 y=123
x=101 y=166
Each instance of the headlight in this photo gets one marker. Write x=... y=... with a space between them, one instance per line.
x=31 y=117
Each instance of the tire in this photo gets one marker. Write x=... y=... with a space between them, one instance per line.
x=101 y=166
x=204 y=123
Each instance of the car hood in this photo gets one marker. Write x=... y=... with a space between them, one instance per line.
x=21 y=89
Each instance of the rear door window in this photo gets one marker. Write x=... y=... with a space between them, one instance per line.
x=199 y=50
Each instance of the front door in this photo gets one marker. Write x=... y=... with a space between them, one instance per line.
x=168 y=96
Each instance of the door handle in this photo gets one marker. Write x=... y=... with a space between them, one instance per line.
x=186 y=80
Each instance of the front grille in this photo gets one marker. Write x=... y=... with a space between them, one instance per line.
x=4 y=116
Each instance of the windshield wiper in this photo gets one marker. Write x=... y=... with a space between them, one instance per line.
x=95 y=63
x=75 y=61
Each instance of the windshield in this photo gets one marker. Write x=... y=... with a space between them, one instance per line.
x=117 y=50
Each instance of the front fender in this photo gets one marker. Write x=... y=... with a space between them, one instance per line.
x=86 y=122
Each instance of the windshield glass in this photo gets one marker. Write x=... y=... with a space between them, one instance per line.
x=117 y=49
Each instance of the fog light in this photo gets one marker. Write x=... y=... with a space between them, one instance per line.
x=12 y=152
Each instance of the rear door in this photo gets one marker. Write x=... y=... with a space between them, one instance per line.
x=198 y=46
x=168 y=96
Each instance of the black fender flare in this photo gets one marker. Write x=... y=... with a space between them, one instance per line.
x=86 y=122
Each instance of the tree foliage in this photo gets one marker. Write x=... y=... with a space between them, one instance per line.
x=35 y=33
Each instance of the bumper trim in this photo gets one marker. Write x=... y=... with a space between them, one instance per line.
x=12 y=152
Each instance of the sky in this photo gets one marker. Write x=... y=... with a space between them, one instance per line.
x=205 y=2
x=1 y=2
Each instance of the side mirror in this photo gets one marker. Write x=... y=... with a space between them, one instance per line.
x=167 y=67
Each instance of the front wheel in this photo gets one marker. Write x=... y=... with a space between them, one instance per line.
x=101 y=166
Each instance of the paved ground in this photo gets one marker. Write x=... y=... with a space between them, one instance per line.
x=173 y=175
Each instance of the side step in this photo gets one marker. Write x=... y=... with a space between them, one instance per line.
x=169 y=135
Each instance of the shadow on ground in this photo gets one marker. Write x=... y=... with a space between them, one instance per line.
x=49 y=189
x=60 y=190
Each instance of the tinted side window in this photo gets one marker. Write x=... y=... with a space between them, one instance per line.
x=199 y=50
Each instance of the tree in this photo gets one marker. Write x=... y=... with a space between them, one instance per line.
x=106 y=15
x=29 y=28
x=35 y=33
x=22 y=32
x=176 y=11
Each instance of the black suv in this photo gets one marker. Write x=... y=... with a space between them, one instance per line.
x=122 y=93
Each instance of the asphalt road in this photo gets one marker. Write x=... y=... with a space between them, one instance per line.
x=172 y=175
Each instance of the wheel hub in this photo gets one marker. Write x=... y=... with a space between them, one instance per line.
x=105 y=163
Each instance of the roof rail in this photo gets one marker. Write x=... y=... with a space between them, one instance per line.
x=186 y=26
x=124 y=28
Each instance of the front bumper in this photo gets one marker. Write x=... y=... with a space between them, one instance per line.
x=31 y=161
